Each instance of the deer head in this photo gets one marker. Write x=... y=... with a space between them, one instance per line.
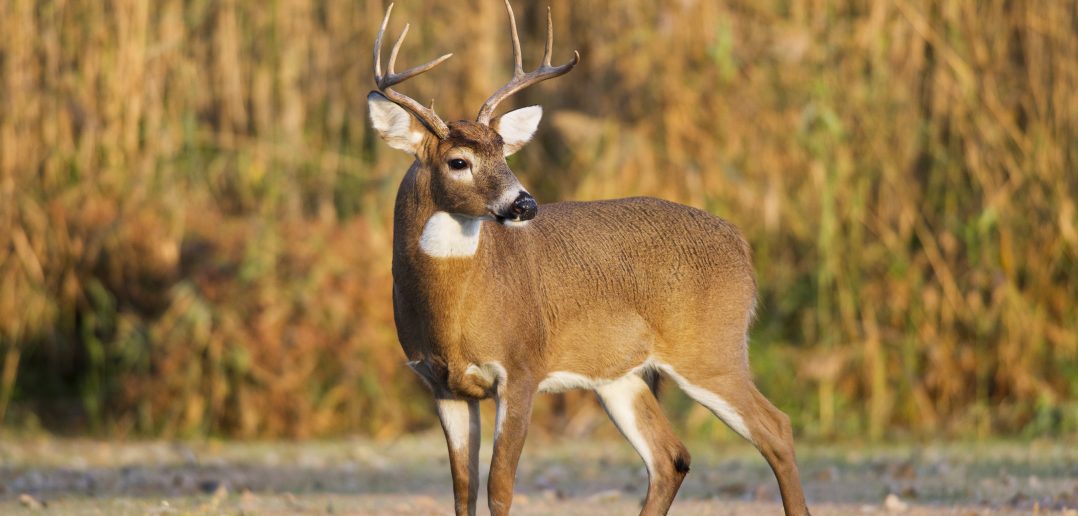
x=466 y=160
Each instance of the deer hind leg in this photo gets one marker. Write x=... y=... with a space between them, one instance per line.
x=637 y=414
x=734 y=398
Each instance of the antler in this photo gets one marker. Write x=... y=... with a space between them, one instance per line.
x=520 y=79
x=424 y=114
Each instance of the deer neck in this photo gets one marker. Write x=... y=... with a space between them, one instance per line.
x=425 y=234
x=435 y=288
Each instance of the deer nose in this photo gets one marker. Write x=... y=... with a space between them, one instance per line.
x=524 y=207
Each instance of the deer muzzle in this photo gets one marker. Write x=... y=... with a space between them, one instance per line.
x=523 y=208
x=520 y=208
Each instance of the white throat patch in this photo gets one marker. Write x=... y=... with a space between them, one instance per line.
x=450 y=236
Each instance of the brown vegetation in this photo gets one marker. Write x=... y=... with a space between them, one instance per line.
x=194 y=214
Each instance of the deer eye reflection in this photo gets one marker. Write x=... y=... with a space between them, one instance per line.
x=458 y=164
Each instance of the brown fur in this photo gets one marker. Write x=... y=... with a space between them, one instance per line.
x=594 y=288
x=600 y=293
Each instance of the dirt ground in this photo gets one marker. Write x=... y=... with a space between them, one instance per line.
x=591 y=477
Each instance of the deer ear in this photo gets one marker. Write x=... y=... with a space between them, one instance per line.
x=394 y=124
x=517 y=127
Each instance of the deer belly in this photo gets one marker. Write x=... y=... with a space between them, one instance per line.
x=596 y=349
x=562 y=381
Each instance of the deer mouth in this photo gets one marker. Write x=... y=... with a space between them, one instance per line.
x=507 y=221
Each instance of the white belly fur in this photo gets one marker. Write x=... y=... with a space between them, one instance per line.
x=561 y=381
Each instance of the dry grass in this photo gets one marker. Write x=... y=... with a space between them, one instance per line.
x=196 y=216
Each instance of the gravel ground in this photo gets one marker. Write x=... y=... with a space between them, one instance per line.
x=590 y=477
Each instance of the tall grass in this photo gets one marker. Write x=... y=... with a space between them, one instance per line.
x=195 y=217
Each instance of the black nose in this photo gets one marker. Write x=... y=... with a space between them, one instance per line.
x=524 y=207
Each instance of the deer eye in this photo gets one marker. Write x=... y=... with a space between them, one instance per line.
x=458 y=164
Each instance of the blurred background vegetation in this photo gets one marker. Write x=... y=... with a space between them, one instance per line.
x=195 y=215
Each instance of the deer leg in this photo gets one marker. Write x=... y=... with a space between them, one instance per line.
x=514 y=405
x=460 y=422
x=637 y=414
x=734 y=399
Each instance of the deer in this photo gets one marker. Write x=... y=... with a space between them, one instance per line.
x=494 y=297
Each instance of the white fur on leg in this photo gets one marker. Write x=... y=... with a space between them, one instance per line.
x=720 y=407
x=456 y=421
x=494 y=373
x=499 y=415
x=617 y=398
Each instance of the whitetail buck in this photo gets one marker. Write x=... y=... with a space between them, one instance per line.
x=494 y=297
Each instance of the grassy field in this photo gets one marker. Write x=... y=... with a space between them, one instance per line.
x=195 y=214
x=592 y=477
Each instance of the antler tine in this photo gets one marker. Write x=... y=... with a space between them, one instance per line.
x=549 y=39
x=397 y=48
x=425 y=115
x=520 y=79
x=378 y=45
x=518 y=60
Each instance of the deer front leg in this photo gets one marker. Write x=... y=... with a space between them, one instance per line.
x=514 y=405
x=460 y=422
